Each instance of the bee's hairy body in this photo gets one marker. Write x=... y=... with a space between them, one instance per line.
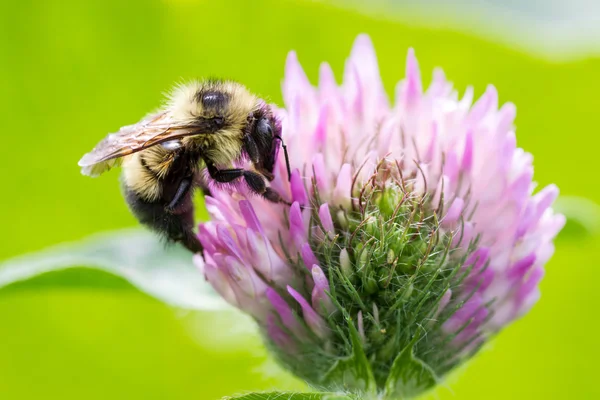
x=147 y=171
x=151 y=180
x=224 y=123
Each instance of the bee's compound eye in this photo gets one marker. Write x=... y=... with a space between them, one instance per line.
x=171 y=145
x=264 y=127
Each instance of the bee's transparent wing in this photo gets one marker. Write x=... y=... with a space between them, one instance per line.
x=155 y=129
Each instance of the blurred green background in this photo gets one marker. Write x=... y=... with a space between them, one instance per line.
x=73 y=71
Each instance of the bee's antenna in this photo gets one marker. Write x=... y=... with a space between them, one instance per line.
x=287 y=158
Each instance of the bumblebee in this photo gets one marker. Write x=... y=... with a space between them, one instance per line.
x=210 y=125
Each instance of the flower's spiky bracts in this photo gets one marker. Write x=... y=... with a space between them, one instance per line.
x=413 y=234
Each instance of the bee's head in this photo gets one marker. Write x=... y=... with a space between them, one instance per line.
x=267 y=125
x=266 y=135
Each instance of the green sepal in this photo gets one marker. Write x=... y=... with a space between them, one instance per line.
x=352 y=373
x=409 y=376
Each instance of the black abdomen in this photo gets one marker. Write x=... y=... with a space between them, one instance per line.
x=171 y=214
x=174 y=226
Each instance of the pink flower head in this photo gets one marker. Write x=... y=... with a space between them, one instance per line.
x=413 y=227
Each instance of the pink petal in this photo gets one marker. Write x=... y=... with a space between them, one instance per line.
x=343 y=187
x=325 y=217
x=297 y=228
x=320 y=298
x=521 y=267
x=285 y=311
x=455 y=211
x=319 y=171
x=312 y=319
x=487 y=103
x=320 y=135
x=467 y=160
x=327 y=83
x=308 y=256
x=250 y=216
x=506 y=117
x=298 y=191
x=412 y=85
x=227 y=241
x=295 y=81
x=279 y=336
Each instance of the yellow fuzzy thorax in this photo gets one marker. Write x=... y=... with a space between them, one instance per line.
x=225 y=145
x=184 y=106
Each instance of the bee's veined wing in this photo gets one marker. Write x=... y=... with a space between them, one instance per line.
x=157 y=128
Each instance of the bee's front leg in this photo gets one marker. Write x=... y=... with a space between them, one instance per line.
x=255 y=181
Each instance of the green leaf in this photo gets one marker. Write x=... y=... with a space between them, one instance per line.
x=583 y=216
x=352 y=373
x=290 y=396
x=409 y=376
x=166 y=273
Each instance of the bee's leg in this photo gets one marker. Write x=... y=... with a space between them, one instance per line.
x=257 y=184
x=182 y=191
x=273 y=154
x=255 y=181
x=224 y=175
